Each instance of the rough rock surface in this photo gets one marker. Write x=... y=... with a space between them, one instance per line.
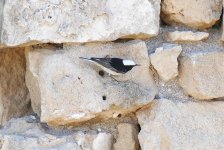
x=69 y=90
x=25 y=134
x=1 y=20
x=14 y=99
x=164 y=60
x=103 y=141
x=202 y=74
x=176 y=125
x=78 y=21
x=193 y=13
x=186 y=36
x=127 y=138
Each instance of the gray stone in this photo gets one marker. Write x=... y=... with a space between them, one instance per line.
x=21 y=134
x=202 y=74
x=177 y=125
x=29 y=22
x=65 y=89
x=14 y=96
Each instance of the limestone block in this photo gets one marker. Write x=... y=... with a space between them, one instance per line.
x=65 y=89
x=182 y=125
x=29 y=22
x=14 y=97
x=127 y=138
x=164 y=60
x=25 y=134
x=198 y=14
x=202 y=74
x=186 y=36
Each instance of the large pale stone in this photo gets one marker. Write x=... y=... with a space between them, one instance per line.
x=164 y=60
x=194 y=13
x=182 y=125
x=65 y=89
x=202 y=74
x=25 y=134
x=186 y=36
x=127 y=138
x=78 y=21
x=14 y=99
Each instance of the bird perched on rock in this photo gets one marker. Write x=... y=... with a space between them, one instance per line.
x=113 y=66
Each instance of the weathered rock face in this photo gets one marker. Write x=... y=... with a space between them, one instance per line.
x=14 y=99
x=177 y=125
x=202 y=74
x=164 y=60
x=68 y=89
x=1 y=20
x=193 y=13
x=128 y=137
x=186 y=36
x=78 y=21
x=23 y=134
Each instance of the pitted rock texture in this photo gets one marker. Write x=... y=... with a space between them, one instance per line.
x=78 y=21
x=69 y=90
x=198 y=14
x=202 y=74
x=14 y=97
x=171 y=124
x=186 y=36
x=164 y=60
x=127 y=138
x=26 y=134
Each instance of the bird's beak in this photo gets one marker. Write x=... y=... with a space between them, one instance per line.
x=137 y=65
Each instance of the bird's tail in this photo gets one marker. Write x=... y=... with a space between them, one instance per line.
x=84 y=58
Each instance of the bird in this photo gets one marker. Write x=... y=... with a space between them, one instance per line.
x=113 y=66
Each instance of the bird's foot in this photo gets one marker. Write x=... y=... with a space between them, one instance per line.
x=107 y=56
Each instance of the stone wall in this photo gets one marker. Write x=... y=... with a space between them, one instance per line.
x=52 y=99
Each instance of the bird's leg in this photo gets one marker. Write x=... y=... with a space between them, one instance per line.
x=107 y=56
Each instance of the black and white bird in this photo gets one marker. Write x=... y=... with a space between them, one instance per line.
x=113 y=66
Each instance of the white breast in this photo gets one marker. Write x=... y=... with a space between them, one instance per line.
x=129 y=62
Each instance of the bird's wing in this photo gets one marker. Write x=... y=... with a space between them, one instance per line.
x=106 y=62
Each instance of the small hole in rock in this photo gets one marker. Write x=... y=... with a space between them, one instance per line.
x=119 y=115
x=104 y=98
x=79 y=78
x=101 y=73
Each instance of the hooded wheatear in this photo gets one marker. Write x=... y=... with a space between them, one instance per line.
x=113 y=66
